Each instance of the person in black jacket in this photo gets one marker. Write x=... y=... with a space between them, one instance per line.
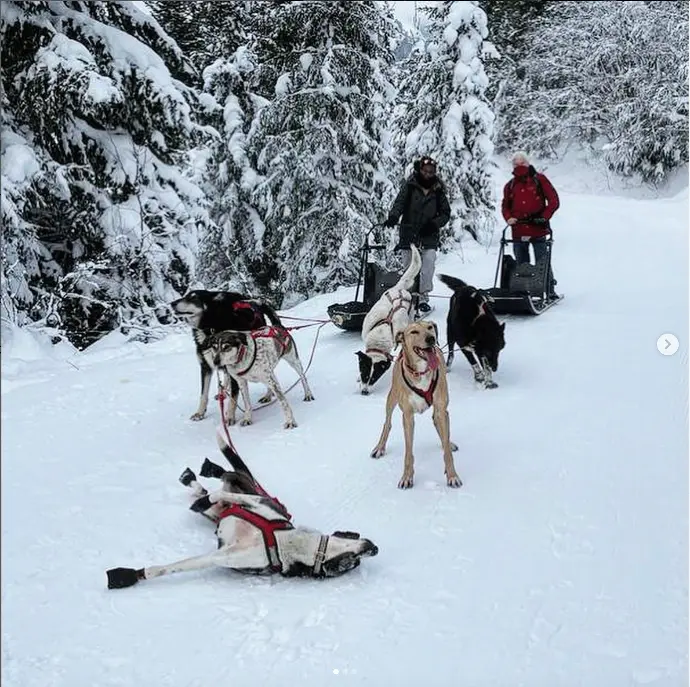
x=422 y=208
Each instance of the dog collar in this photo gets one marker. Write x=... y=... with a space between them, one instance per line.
x=241 y=353
x=411 y=370
x=320 y=556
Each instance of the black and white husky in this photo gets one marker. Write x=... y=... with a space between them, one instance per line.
x=387 y=318
x=473 y=326
x=214 y=311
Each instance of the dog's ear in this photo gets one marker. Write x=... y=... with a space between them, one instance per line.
x=503 y=326
x=400 y=338
x=360 y=355
x=435 y=331
x=242 y=338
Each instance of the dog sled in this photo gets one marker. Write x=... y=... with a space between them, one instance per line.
x=522 y=289
x=373 y=280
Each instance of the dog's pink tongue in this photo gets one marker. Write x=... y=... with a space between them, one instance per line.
x=432 y=358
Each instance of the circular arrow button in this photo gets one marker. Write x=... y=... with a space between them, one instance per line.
x=667 y=344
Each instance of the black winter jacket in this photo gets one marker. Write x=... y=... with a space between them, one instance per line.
x=423 y=211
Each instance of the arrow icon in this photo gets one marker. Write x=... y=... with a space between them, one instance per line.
x=667 y=344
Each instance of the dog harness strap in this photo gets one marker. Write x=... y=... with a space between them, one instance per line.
x=320 y=554
x=282 y=336
x=389 y=318
x=258 y=315
x=481 y=312
x=427 y=395
x=381 y=351
x=263 y=492
x=240 y=356
x=268 y=529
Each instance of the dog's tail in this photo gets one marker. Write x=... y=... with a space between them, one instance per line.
x=272 y=315
x=407 y=280
x=452 y=283
x=238 y=465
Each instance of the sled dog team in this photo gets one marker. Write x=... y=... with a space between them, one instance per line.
x=243 y=340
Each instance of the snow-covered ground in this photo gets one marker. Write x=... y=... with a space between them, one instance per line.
x=562 y=561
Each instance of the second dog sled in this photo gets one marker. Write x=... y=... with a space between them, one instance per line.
x=522 y=289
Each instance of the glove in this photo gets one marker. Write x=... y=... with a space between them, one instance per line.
x=540 y=220
x=390 y=222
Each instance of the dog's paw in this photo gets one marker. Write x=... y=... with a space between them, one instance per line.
x=309 y=397
x=187 y=477
x=290 y=424
x=230 y=421
x=245 y=421
x=266 y=399
x=454 y=481
x=406 y=482
x=197 y=416
x=453 y=447
x=490 y=385
x=377 y=452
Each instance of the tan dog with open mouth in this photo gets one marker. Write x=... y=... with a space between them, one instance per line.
x=419 y=383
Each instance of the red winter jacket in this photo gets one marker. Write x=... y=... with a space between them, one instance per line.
x=522 y=200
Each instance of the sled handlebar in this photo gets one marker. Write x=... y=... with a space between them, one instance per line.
x=504 y=240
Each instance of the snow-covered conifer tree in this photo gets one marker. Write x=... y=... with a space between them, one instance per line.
x=205 y=31
x=613 y=76
x=319 y=142
x=509 y=25
x=444 y=113
x=99 y=225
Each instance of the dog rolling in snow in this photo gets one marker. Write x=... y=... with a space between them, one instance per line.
x=382 y=324
x=473 y=326
x=252 y=357
x=255 y=533
x=212 y=311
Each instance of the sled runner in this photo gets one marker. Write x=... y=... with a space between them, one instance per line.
x=373 y=280
x=522 y=289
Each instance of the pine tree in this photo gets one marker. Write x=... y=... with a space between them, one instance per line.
x=444 y=113
x=231 y=250
x=509 y=23
x=99 y=224
x=318 y=143
x=204 y=31
x=613 y=77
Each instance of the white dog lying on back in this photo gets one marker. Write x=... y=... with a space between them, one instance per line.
x=255 y=533
x=387 y=317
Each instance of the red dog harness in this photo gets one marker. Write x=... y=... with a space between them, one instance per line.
x=402 y=304
x=268 y=529
x=258 y=317
x=282 y=336
x=428 y=394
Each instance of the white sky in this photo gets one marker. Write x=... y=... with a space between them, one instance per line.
x=405 y=10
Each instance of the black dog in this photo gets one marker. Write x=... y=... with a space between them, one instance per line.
x=473 y=326
x=209 y=312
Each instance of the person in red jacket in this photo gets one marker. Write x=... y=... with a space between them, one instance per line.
x=529 y=203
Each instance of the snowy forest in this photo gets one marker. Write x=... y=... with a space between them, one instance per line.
x=149 y=148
